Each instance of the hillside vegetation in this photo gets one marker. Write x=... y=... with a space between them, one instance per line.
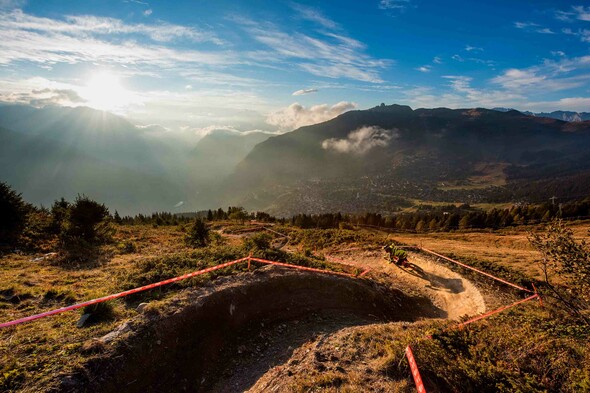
x=530 y=348
x=373 y=159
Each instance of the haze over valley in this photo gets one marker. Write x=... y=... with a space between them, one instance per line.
x=378 y=159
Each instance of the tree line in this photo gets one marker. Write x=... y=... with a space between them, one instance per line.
x=428 y=218
x=85 y=221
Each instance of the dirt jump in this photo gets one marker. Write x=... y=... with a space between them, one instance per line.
x=228 y=335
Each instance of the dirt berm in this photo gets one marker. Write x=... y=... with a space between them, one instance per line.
x=183 y=345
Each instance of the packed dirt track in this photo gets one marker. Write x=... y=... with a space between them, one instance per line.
x=234 y=333
x=447 y=289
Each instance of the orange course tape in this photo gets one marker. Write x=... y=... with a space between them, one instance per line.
x=415 y=372
x=365 y=272
x=310 y=269
x=118 y=295
x=496 y=311
x=159 y=284
x=476 y=270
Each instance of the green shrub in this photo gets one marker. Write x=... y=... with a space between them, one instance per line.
x=86 y=220
x=13 y=211
x=198 y=234
x=567 y=259
x=257 y=242
x=127 y=247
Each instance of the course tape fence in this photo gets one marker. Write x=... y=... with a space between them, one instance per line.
x=475 y=269
x=415 y=372
x=498 y=310
x=411 y=360
x=410 y=356
x=408 y=352
x=249 y=259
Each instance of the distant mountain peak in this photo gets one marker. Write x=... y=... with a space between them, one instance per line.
x=569 y=116
x=394 y=108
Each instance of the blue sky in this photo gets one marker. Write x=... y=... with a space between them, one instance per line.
x=195 y=66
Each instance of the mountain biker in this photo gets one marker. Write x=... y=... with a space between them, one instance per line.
x=396 y=255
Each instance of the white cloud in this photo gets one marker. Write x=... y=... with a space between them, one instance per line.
x=525 y=25
x=350 y=42
x=462 y=59
x=39 y=92
x=564 y=15
x=83 y=39
x=313 y=15
x=148 y=12
x=533 y=28
x=558 y=53
x=425 y=68
x=398 y=5
x=584 y=34
x=360 y=141
x=188 y=87
x=582 y=13
x=470 y=48
x=515 y=88
x=153 y=129
x=578 y=104
x=467 y=95
x=515 y=78
x=331 y=55
x=296 y=115
x=95 y=26
x=551 y=75
x=63 y=97
x=437 y=60
x=225 y=129
x=304 y=91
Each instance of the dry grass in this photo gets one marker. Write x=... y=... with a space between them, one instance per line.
x=507 y=247
x=32 y=354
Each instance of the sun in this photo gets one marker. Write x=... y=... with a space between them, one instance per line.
x=104 y=91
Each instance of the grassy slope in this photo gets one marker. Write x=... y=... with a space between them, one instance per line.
x=506 y=247
x=32 y=354
x=35 y=352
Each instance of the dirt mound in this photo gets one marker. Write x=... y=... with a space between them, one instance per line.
x=187 y=345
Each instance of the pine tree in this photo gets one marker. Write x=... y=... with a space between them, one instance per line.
x=198 y=235
x=13 y=215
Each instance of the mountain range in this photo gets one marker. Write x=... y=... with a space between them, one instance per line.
x=559 y=115
x=381 y=159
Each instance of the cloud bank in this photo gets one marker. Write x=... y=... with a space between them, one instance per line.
x=361 y=140
x=296 y=115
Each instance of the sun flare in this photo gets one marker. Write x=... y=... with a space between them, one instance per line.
x=104 y=91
